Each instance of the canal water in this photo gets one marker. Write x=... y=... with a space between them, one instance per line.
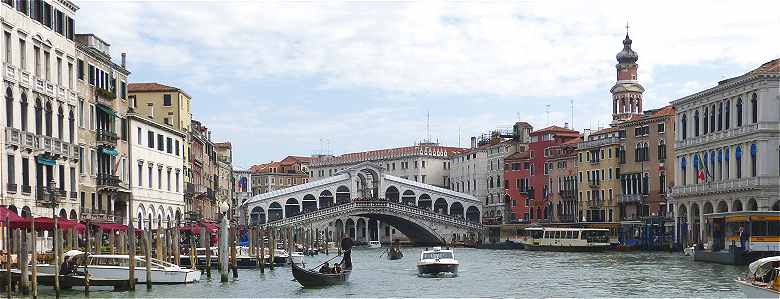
x=483 y=273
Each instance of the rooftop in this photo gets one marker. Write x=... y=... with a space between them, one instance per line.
x=153 y=87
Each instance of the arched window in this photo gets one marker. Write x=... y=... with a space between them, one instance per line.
x=683 y=165
x=754 y=107
x=684 y=126
x=9 y=108
x=720 y=116
x=48 y=119
x=490 y=182
x=38 y=117
x=661 y=150
x=23 y=111
x=738 y=157
x=71 y=127
x=753 y=160
x=696 y=124
x=739 y=112
x=60 y=123
x=712 y=118
x=706 y=121
x=728 y=115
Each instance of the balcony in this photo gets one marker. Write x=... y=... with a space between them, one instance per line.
x=45 y=195
x=104 y=95
x=74 y=195
x=30 y=141
x=632 y=198
x=25 y=78
x=13 y=137
x=735 y=185
x=567 y=218
x=107 y=180
x=567 y=194
x=26 y=189
x=597 y=143
x=594 y=184
x=11 y=188
x=595 y=203
x=9 y=72
x=40 y=85
x=106 y=137
x=725 y=134
x=100 y=216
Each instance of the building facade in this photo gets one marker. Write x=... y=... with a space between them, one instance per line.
x=425 y=162
x=200 y=191
x=158 y=178
x=541 y=141
x=102 y=131
x=242 y=189
x=598 y=173
x=39 y=152
x=224 y=179
x=518 y=190
x=562 y=166
x=726 y=145
x=276 y=175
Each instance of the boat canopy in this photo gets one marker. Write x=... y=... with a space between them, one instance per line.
x=762 y=266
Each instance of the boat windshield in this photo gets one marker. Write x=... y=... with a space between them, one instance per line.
x=595 y=236
x=437 y=255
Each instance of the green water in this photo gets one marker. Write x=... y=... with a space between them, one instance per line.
x=483 y=273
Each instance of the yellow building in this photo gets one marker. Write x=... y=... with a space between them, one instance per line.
x=598 y=166
x=166 y=105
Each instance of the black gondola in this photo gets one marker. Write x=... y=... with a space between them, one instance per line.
x=313 y=278
x=394 y=254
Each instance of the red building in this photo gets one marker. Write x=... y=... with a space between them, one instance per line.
x=539 y=185
x=516 y=174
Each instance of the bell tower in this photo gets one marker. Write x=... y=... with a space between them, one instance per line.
x=627 y=92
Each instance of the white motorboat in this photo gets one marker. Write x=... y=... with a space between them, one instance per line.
x=763 y=279
x=374 y=244
x=117 y=266
x=688 y=251
x=437 y=261
x=280 y=256
x=297 y=258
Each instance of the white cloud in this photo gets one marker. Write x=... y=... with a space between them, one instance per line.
x=409 y=52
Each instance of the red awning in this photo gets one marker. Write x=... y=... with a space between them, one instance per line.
x=195 y=229
x=12 y=217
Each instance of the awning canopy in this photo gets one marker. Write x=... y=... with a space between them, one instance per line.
x=109 y=151
x=45 y=161
x=106 y=109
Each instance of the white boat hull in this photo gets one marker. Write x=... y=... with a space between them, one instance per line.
x=158 y=276
x=752 y=291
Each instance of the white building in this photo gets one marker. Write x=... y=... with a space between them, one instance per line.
x=425 y=162
x=156 y=178
x=39 y=155
x=732 y=133
x=468 y=172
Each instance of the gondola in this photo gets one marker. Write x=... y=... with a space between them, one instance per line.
x=394 y=254
x=312 y=278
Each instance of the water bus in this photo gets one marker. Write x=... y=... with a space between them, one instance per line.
x=565 y=239
x=724 y=244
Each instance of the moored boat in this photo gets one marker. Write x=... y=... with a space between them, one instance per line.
x=374 y=244
x=326 y=276
x=565 y=239
x=117 y=266
x=394 y=252
x=437 y=261
x=763 y=279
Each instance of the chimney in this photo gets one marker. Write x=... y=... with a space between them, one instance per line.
x=473 y=142
x=124 y=59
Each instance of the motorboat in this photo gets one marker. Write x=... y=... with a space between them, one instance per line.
x=296 y=257
x=565 y=239
x=374 y=244
x=281 y=256
x=688 y=251
x=763 y=279
x=117 y=266
x=437 y=261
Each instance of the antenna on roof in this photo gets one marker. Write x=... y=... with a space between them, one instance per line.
x=572 y=113
x=428 y=126
x=458 y=136
x=548 y=113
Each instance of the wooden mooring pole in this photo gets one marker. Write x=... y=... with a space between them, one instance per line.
x=224 y=242
x=148 y=256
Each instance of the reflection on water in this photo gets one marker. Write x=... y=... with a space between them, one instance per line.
x=483 y=273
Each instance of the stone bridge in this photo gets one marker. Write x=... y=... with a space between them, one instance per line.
x=424 y=213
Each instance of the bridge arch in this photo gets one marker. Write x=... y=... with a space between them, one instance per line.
x=392 y=194
x=441 y=206
x=275 y=212
x=342 y=195
x=291 y=207
x=326 y=199
x=472 y=214
x=456 y=210
x=309 y=203
x=425 y=202
x=408 y=198
x=257 y=216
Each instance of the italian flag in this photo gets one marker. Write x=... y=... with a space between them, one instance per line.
x=700 y=170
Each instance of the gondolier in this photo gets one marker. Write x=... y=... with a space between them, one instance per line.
x=323 y=277
x=346 y=245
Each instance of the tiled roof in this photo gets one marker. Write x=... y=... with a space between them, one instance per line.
x=555 y=129
x=296 y=188
x=518 y=156
x=146 y=87
x=431 y=150
x=449 y=192
x=771 y=67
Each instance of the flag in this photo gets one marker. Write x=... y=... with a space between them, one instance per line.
x=700 y=168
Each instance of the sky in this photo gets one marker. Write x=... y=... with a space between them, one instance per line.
x=299 y=78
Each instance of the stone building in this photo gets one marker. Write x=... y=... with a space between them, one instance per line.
x=102 y=131
x=424 y=162
x=540 y=167
x=726 y=145
x=157 y=177
x=598 y=176
x=224 y=179
x=38 y=147
x=200 y=191
x=276 y=175
x=562 y=165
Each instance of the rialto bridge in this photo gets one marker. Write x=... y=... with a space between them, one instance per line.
x=362 y=200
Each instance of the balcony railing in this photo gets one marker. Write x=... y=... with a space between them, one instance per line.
x=725 y=134
x=11 y=188
x=100 y=216
x=105 y=136
x=632 y=198
x=27 y=189
x=597 y=142
x=725 y=186
x=567 y=218
x=595 y=203
x=594 y=184
x=104 y=179
x=9 y=72
x=44 y=196
x=567 y=194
